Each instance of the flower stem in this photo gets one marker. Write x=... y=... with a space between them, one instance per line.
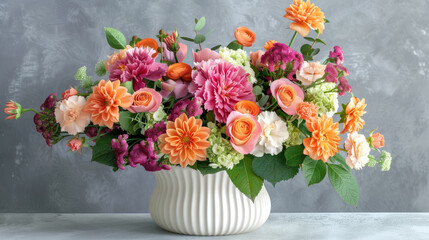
x=30 y=109
x=175 y=56
x=293 y=38
x=342 y=149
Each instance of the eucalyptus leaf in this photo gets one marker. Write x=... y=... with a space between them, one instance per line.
x=263 y=100
x=309 y=39
x=199 y=38
x=200 y=24
x=257 y=90
x=187 y=39
x=115 y=38
x=320 y=41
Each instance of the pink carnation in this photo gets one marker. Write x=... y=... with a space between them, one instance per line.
x=137 y=65
x=220 y=85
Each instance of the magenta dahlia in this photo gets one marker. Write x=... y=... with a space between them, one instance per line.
x=220 y=85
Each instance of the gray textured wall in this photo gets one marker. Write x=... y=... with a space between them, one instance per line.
x=43 y=42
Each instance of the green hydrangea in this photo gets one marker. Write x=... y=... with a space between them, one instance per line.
x=294 y=135
x=221 y=153
x=385 y=161
x=155 y=117
x=327 y=102
x=240 y=58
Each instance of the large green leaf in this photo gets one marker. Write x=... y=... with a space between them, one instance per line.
x=115 y=38
x=273 y=168
x=302 y=127
x=245 y=179
x=338 y=158
x=127 y=122
x=103 y=153
x=314 y=171
x=344 y=183
x=294 y=155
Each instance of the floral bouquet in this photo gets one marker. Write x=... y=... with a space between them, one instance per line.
x=259 y=116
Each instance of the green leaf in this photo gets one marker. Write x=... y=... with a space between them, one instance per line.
x=273 y=168
x=305 y=49
x=81 y=74
x=187 y=39
x=320 y=41
x=199 y=38
x=245 y=179
x=257 y=90
x=338 y=158
x=103 y=153
x=263 y=100
x=204 y=168
x=308 y=58
x=200 y=24
x=294 y=155
x=129 y=86
x=327 y=21
x=314 y=171
x=100 y=68
x=216 y=47
x=302 y=127
x=309 y=39
x=234 y=45
x=115 y=38
x=314 y=51
x=344 y=183
x=372 y=161
x=126 y=120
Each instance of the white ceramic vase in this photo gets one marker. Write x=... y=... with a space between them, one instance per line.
x=187 y=202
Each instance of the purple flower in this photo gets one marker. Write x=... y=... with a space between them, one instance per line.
x=137 y=66
x=332 y=73
x=92 y=132
x=279 y=56
x=143 y=153
x=194 y=108
x=156 y=131
x=45 y=121
x=344 y=86
x=343 y=69
x=337 y=55
x=178 y=109
x=120 y=146
x=50 y=102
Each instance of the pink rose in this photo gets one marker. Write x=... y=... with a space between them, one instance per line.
x=244 y=131
x=145 y=100
x=75 y=144
x=255 y=58
x=205 y=54
x=287 y=94
x=68 y=93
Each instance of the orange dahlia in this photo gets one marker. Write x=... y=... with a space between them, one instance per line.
x=305 y=16
x=185 y=141
x=354 y=112
x=104 y=102
x=325 y=139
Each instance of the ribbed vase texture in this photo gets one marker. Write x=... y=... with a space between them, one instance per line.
x=184 y=201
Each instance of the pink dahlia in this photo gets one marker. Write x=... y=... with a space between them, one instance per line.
x=220 y=85
x=137 y=65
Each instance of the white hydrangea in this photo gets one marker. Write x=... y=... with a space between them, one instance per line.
x=159 y=114
x=240 y=58
x=327 y=102
x=274 y=134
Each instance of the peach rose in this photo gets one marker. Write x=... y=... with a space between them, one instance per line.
x=358 y=150
x=246 y=106
x=287 y=94
x=68 y=93
x=244 y=131
x=255 y=58
x=145 y=100
x=75 y=144
x=377 y=140
x=268 y=45
x=244 y=36
x=310 y=72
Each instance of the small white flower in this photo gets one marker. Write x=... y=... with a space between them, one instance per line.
x=217 y=149
x=159 y=115
x=274 y=134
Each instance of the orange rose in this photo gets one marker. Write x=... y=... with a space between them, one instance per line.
x=246 y=106
x=180 y=71
x=305 y=16
x=307 y=111
x=244 y=131
x=244 y=36
x=268 y=45
x=149 y=42
x=377 y=140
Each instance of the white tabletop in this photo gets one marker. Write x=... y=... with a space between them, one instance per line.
x=279 y=226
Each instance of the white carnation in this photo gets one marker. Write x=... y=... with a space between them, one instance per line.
x=358 y=150
x=274 y=134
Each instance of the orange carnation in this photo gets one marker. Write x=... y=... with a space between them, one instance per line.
x=324 y=140
x=104 y=102
x=244 y=36
x=354 y=111
x=246 y=106
x=268 y=45
x=305 y=16
x=180 y=71
x=307 y=111
x=149 y=42
x=185 y=141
